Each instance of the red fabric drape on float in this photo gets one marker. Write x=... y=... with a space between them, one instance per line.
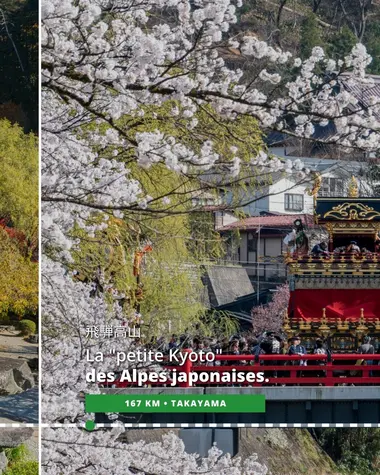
x=306 y=304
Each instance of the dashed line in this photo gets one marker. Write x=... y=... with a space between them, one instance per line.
x=93 y=426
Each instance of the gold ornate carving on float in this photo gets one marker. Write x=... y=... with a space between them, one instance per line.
x=353 y=227
x=343 y=343
x=353 y=212
x=286 y=326
x=305 y=326
x=362 y=328
x=348 y=267
x=342 y=326
x=324 y=329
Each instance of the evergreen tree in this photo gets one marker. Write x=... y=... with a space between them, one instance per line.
x=19 y=57
x=310 y=35
x=341 y=43
x=356 y=451
x=372 y=42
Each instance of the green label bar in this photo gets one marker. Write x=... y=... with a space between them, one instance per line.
x=243 y=403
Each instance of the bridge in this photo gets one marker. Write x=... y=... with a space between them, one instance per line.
x=336 y=389
x=305 y=370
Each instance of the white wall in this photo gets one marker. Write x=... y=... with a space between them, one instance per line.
x=277 y=196
x=271 y=198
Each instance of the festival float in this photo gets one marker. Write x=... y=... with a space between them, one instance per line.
x=336 y=296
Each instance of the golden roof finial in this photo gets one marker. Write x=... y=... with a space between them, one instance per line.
x=316 y=186
x=353 y=190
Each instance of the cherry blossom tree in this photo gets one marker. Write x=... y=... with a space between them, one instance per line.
x=270 y=317
x=102 y=61
x=70 y=450
x=106 y=65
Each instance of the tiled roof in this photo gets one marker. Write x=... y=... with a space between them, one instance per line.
x=366 y=94
x=278 y=221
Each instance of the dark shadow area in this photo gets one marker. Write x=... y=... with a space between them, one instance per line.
x=19 y=63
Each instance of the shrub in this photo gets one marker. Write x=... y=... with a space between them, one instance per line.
x=18 y=280
x=27 y=327
x=16 y=454
x=28 y=467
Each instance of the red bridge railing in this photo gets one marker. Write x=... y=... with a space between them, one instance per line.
x=285 y=370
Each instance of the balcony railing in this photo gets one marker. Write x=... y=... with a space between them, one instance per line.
x=364 y=264
x=280 y=370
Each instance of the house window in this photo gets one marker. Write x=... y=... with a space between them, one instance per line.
x=293 y=202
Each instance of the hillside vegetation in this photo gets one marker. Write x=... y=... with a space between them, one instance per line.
x=299 y=25
x=19 y=62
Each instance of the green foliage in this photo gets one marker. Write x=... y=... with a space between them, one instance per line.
x=341 y=43
x=15 y=454
x=243 y=133
x=18 y=281
x=334 y=25
x=218 y=324
x=10 y=6
x=172 y=290
x=19 y=179
x=310 y=35
x=169 y=290
x=19 y=208
x=28 y=467
x=170 y=276
x=204 y=241
x=27 y=327
x=356 y=451
x=372 y=42
x=18 y=463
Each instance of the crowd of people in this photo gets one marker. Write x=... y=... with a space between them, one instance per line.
x=321 y=250
x=268 y=343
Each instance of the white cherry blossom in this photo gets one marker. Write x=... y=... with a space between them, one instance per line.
x=104 y=61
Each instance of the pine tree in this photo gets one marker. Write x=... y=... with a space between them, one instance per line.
x=310 y=36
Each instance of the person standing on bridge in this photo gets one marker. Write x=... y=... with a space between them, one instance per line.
x=297 y=349
x=367 y=349
x=320 y=348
